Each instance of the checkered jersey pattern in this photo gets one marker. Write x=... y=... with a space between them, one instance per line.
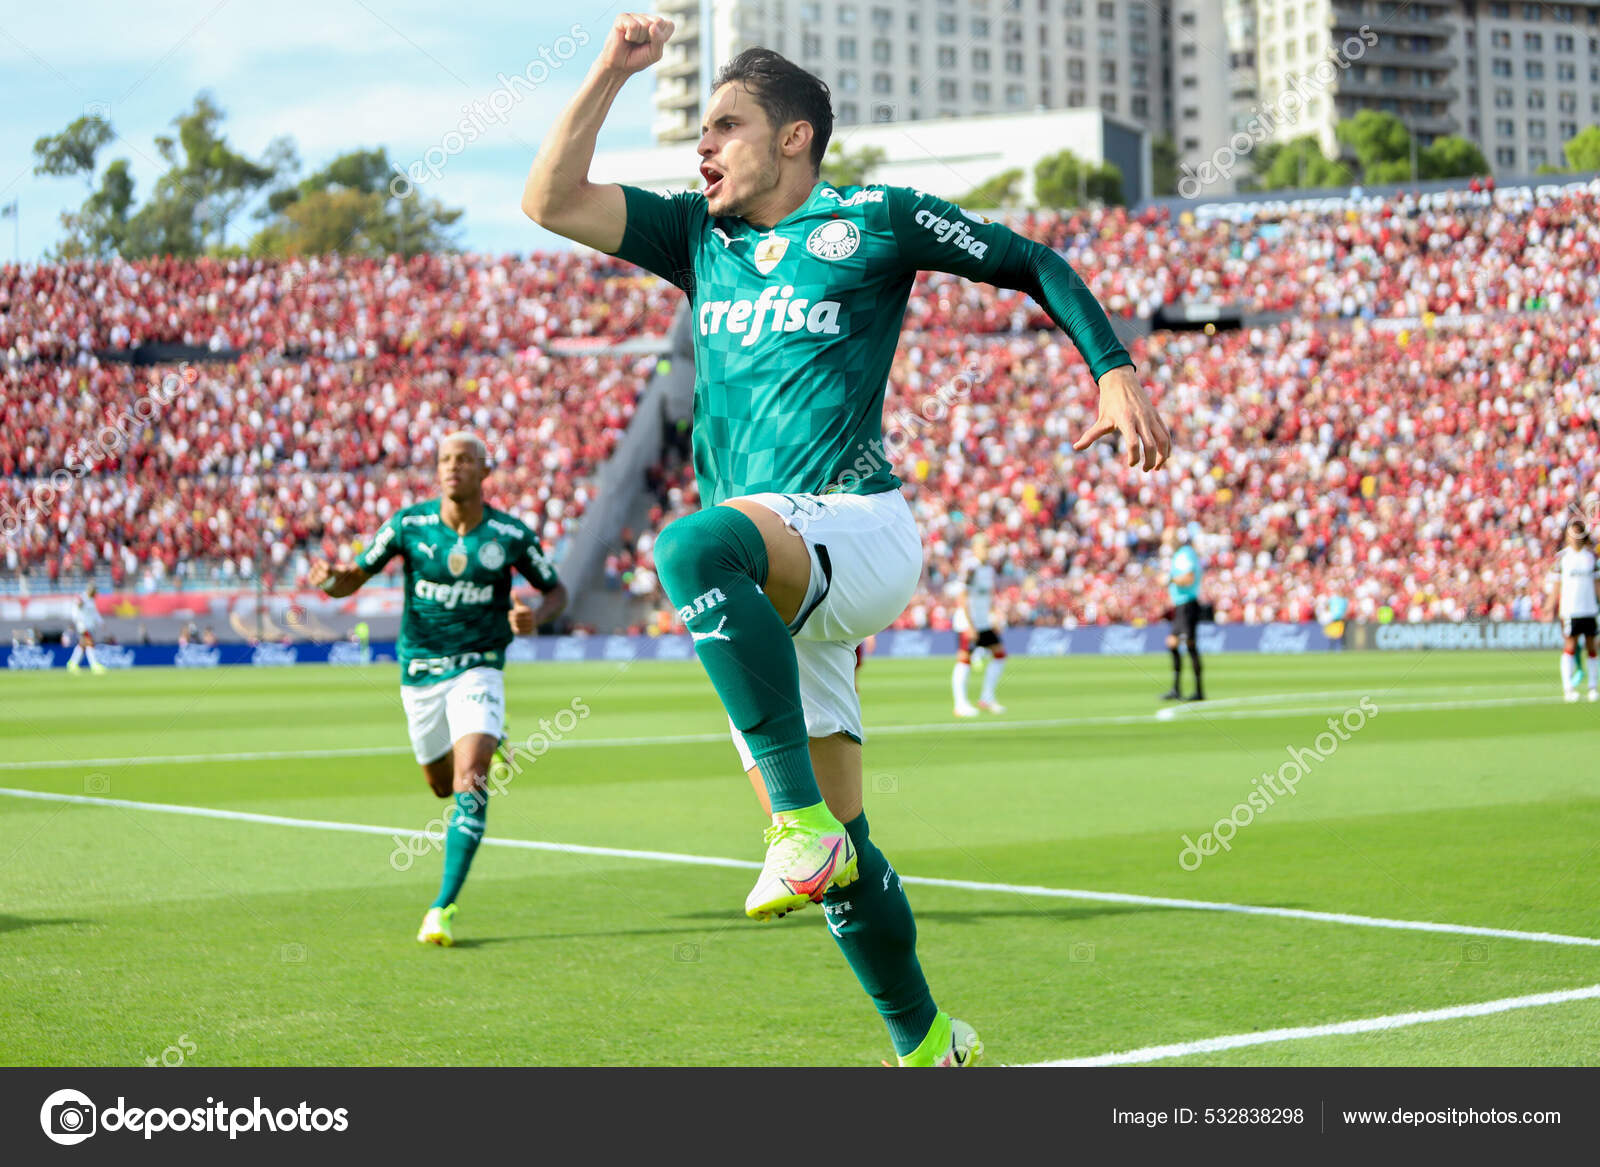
x=795 y=327
x=457 y=587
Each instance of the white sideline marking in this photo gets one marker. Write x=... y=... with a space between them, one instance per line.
x=1199 y=709
x=1156 y=1053
x=1065 y=893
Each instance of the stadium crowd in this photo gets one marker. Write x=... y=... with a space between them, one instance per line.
x=1422 y=467
x=168 y=468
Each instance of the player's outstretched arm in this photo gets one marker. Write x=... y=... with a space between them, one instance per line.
x=337 y=580
x=558 y=195
x=935 y=235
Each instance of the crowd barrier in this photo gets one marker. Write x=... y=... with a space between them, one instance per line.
x=1101 y=640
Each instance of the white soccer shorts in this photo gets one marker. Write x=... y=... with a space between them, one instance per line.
x=866 y=562
x=446 y=711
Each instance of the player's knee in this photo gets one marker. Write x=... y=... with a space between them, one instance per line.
x=699 y=550
x=443 y=786
x=1172 y=642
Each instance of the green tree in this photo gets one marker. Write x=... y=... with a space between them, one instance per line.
x=349 y=207
x=1065 y=180
x=844 y=168
x=1380 y=142
x=1452 y=157
x=74 y=149
x=1298 y=164
x=1583 y=149
x=999 y=191
x=1163 y=166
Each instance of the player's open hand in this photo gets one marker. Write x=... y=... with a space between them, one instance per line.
x=1125 y=409
x=521 y=617
x=635 y=42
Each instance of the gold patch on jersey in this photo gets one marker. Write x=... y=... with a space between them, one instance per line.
x=457 y=561
x=768 y=252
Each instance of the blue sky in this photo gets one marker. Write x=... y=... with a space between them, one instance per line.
x=332 y=74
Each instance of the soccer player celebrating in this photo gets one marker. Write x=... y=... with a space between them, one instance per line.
x=86 y=619
x=459 y=616
x=1574 y=575
x=1183 y=589
x=975 y=625
x=805 y=546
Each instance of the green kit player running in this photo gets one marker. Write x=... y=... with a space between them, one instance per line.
x=805 y=546
x=459 y=616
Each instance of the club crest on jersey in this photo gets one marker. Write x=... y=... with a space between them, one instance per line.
x=492 y=556
x=457 y=561
x=835 y=239
x=768 y=252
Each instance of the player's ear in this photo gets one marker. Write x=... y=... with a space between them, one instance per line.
x=795 y=139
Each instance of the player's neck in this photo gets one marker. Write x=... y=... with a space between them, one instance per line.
x=461 y=516
x=784 y=201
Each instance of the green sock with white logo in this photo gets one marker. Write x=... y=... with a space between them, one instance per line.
x=871 y=921
x=461 y=842
x=712 y=565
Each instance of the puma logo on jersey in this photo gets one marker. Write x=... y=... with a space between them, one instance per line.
x=946 y=231
x=428 y=547
x=774 y=311
x=715 y=634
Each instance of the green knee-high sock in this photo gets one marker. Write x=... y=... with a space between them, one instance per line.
x=461 y=842
x=871 y=919
x=712 y=565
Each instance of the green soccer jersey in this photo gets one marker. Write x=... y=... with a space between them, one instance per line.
x=457 y=587
x=795 y=327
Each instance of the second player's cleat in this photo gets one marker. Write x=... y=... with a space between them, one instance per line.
x=803 y=862
x=97 y=668
x=950 y=1044
x=966 y=711
x=436 y=927
x=991 y=706
x=1571 y=696
x=1172 y=695
x=1594 y=694
x=73 y=666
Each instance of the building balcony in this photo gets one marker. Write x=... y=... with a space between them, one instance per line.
x=1346 y=21
x=1401 y=91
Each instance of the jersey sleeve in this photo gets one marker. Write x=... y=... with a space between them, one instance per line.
x=933 y=234
x=534 y=566
x=660 y=231
x=385 y=546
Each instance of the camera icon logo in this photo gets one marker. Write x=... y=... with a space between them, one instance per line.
x=68 y=1117
x=686 y=953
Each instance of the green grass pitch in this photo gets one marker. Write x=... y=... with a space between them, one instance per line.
x=1472 y=797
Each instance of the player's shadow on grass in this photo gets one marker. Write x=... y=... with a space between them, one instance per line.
x=17 y=923
x=485 y=941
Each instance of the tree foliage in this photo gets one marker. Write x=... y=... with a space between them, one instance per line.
x=1065 y=180
x=999 y=191
x=194 y=205
x=850 y=168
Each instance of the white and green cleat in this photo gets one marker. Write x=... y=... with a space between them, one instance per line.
x=950 y=1044
x=436 y=927
x=808 y=851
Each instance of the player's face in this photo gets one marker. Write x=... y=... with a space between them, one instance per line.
x=738 y=152
x=461 y=471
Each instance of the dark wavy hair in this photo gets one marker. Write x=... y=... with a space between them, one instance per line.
x=785 y=92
